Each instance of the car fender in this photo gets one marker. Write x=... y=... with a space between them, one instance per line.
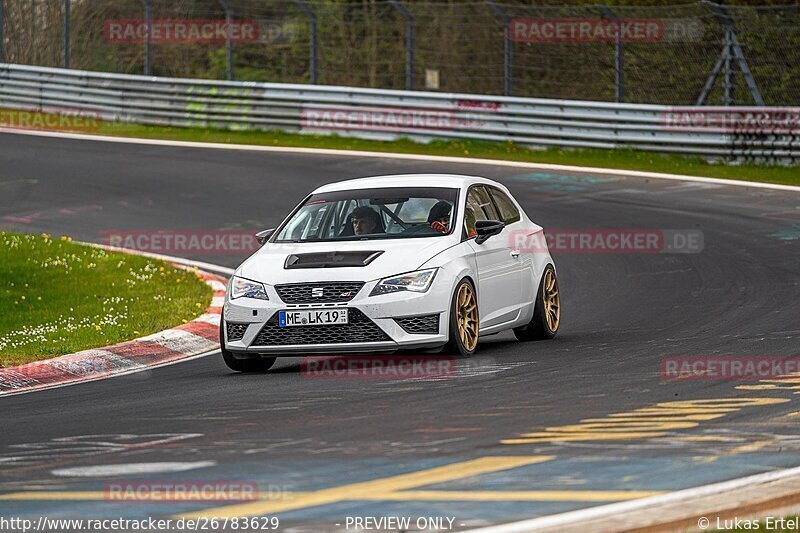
x=455 y=263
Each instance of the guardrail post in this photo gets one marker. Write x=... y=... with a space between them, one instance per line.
x=2 y=18
x=66 y=33
x=148 y=18
x=228 y=43
x=508 y=49
x=619 y=55
x=409 y=43
x=312 y=20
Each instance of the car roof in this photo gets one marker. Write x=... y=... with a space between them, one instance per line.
x=454 y=181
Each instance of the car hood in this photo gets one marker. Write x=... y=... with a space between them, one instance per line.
x=397 y=256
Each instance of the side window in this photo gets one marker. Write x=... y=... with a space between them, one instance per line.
x=482 y=203
x=508 y=211
x=479 y=207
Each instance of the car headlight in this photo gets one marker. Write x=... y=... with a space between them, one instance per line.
x=419 y=281
x=245 y=287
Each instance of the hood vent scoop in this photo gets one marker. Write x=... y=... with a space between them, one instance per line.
x=331 y=259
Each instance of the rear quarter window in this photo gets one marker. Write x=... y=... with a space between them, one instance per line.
x=508 y=211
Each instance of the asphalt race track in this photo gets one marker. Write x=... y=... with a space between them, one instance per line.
x=330 y=448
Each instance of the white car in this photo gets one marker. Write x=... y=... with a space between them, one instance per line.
x=388 y=263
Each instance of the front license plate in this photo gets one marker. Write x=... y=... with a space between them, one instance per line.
x=312 y=318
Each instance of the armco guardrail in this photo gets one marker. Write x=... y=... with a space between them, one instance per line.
x=722 y=132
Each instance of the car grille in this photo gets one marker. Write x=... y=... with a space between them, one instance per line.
x=236 y=331
x=419 y=324
x=359 y=329
x=304 y=293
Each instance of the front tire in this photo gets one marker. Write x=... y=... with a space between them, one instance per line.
x=252 y=364
x=463 y=324
x=547 y=311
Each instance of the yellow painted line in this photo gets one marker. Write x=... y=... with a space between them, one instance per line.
x=569 y=437
x=519 y=496
x=666 y=408
x=408 y=495
x=367 y=489
x=613 y=426
x=709 y=438
x=647 y=422
x=652 y=417
x=752 y=447
x=768 y=386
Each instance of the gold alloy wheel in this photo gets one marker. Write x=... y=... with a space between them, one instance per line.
x=552 y=301
x=467 y=316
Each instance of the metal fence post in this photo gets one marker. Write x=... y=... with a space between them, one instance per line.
x=2 y=18
x=228 y=43
x=619 y=55
x=66 y=33
x=727 y=70
x=148 y=17
x=508 y=49
x=312 y=19
x=409 y=43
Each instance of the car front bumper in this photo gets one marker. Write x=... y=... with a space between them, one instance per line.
x=381 y=311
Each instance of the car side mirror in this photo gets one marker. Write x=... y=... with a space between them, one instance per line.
x=263 y=236
x=487 y=228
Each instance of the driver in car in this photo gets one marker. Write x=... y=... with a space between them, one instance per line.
x=439 y=216
x=366 y=220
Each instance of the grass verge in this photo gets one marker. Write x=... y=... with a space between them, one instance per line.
x=622 y=158
x=58 y=297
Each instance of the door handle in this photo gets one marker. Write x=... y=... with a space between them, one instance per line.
x=515 y=253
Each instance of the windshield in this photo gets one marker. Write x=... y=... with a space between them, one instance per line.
x=367 y=214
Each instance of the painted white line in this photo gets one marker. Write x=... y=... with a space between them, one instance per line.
x=615 y=509
x=413 y=157
x=130 y=469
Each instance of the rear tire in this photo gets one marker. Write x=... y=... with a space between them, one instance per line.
x=251 y=364
x=463 y=323
x=547 y=311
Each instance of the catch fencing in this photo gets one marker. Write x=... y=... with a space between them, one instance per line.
x=685 y=54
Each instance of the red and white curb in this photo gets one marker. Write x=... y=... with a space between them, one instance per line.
x=186 y=341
